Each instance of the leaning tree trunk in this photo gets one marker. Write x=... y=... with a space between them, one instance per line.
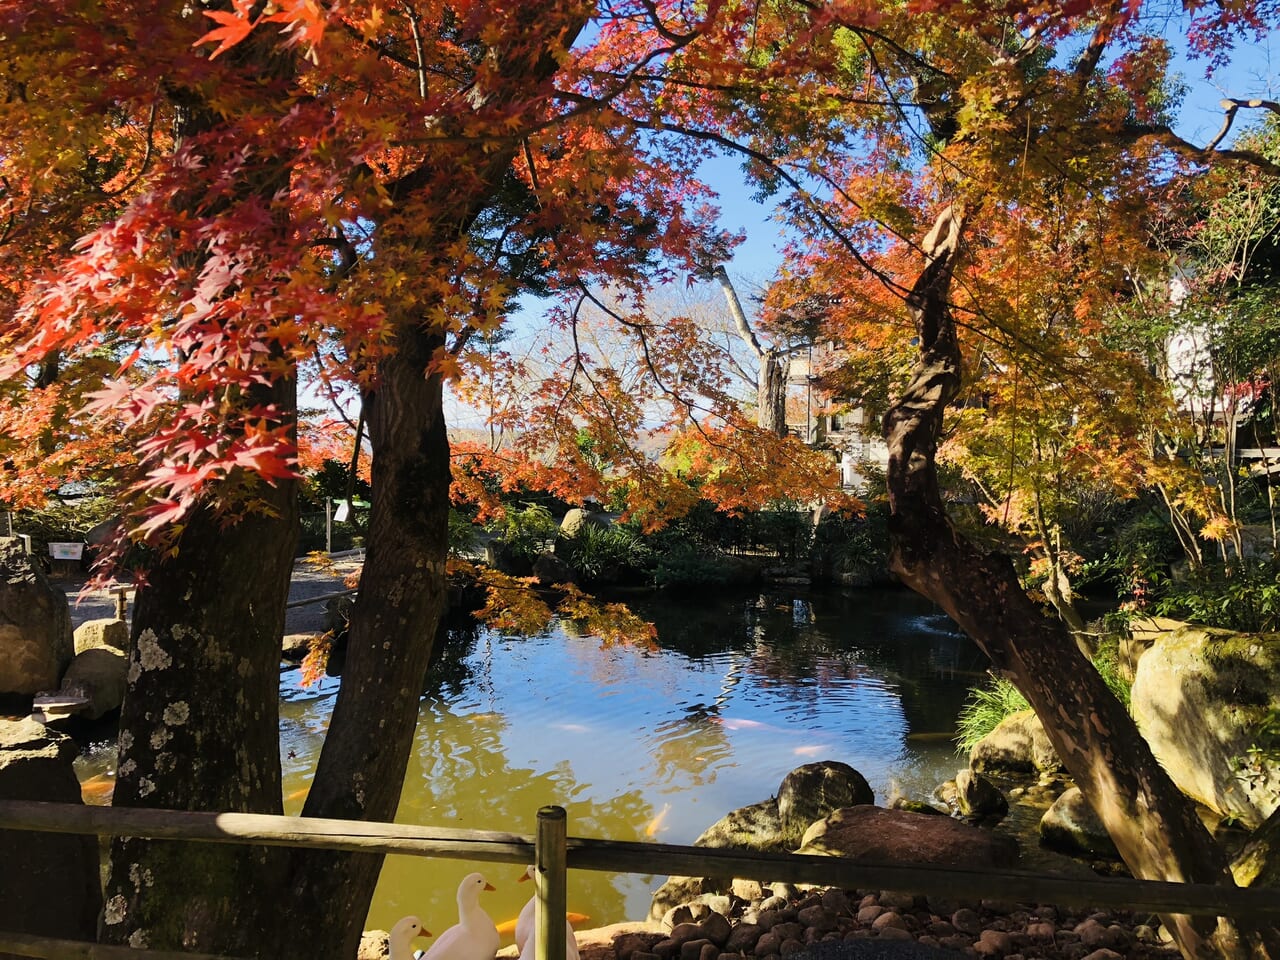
x=393 y=625
x=775 y=368
x=1153 y=825
x=402 y=588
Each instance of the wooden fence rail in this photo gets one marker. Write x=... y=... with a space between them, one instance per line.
x=554 y=853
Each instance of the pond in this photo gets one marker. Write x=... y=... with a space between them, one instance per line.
x=655 y=744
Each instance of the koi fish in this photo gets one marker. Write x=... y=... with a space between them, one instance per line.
x=810 y=751
x=734 y=723
x=654 y=825
x=98 y=789
x=299 y=794
x=507 y=928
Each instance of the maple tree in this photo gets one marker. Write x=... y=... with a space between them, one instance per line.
x=984 y=193
x=354 y=198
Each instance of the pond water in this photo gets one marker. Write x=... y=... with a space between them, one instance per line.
x=656 y=744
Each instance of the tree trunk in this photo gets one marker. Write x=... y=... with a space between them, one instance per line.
x=199 y=726
x=1153 y=825
x=393 y=626
x=771 y=394
x=200 y=730
x=771 y=379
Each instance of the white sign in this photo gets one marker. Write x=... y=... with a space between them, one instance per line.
x=66 y=551
x=344 y=508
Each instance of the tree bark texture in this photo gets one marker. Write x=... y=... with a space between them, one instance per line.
x=199 y=726
x=1153 y=825
x=200 y=730
x=402 y=588
x=393 y=625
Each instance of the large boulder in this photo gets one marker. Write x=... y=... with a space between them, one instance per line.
x=1018 y=743
x=106 y=632
x=1071 y=826
x=50 y=883
x=100 y=676
x=755 y=827
x=35 y=624
x=878 y=835
x=577 y=518
x=812 y=791
x=1200 y=696
x=977 y=797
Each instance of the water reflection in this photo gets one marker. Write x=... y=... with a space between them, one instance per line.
x=656 y=745
x=653 y=744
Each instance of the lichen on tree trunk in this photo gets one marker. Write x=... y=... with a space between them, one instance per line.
x=200 y=730
x=1153 y=825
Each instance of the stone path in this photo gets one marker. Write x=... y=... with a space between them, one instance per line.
x=308 y=581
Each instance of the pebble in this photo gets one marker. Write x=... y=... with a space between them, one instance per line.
x=778 y=926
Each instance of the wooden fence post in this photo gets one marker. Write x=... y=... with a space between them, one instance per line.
x=550 y=858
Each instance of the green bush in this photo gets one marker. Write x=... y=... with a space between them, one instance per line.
x=1245 y=597
x=986 y=706
x=605 y=553
x=63 y=521
x=687 y=565
x=527 y=530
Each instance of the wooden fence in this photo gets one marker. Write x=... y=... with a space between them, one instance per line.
x=554 y=852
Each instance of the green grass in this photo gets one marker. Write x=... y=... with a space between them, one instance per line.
x=996 y=699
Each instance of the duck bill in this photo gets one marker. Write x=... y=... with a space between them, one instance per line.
x=490 y=887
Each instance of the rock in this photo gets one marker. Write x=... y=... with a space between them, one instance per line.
x=746 y=889
x=100 y=674
x=106 y=632
x=994 y=943
x=550 y=569
x=967 y=921
x=628 y=943
x=978 y=797
x=1070 y=825
x=915 y=806
x=295 y=646
x=1017 y=744
x=577 y=518
x=50 y=883
x=810 y=792
x=755 y=827
x=1199 y=698
x=374 y=945
x=715 y=927
x=35 y=625
x=896 y=836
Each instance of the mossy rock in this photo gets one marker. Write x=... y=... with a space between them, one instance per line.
x=1202 y=698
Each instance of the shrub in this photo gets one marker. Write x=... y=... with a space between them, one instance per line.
x=527 y=530
x=1245 y=598
x=986 y=706
x=605 y=553
x=685 y=565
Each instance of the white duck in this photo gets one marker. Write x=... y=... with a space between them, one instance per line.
x=402 y=935
x=524 y=926
x=474 y=936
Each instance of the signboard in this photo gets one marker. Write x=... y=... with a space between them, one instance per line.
x=344 y=508
x=66 y=551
